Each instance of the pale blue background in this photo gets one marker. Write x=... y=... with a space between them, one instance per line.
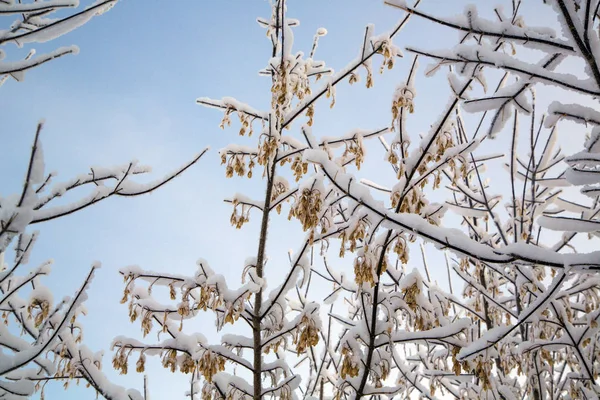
x=131 y=93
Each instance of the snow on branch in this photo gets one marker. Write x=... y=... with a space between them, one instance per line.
x=52 y=328
x=530 y=310
x=347 y=319
x=33 y=26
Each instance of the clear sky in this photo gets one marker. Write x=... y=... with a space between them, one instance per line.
x=131 y=93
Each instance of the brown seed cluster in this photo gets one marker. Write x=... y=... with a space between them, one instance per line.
x=120 y=360
x=147 y=322
x=274 y=346
x=401 y=248
x=369 y=76
x=310 y=114
x=413 y=202
x=356 y=236
x=140 y=365
x=67 y=367
x=299 y=168
x=331 y=94
x=459 y=167
x=234 y=310
x=239 y=219
x=456 y=368
x=236 y=164
x=183 y=309
x=246 y=123
x=367 y=260
x=356 y=149
x=443 y=142
x=169 y=359
x=299 y=82
x=364 y=266
x=349 y=366
x=307 y=208
x=285 y=393
x=209 y=298
x=422 y=316
x=209 y=364
x=403 y=99
x=226 y=121
x=282 y=94
x=382 y=374
x=393 y=159
x=411 y=294
x=307 y=335
x=280 y=186
x=267 y=148
x=483 y=372
x=209 y=391
x=386 y=49
x=38 y=310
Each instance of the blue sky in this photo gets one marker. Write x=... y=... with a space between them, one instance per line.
x=131 y=93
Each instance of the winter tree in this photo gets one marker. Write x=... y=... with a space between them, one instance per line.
x=549 y=337
x=34 y=25
x=506 y=225
x=40 y=336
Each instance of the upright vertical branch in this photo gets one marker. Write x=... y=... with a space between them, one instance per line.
x=257 y=314
x=279 y=42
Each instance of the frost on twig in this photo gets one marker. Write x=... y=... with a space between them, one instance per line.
x=49 y=346
x=537 y=318
x=523 y=321
x=35 y=25
x=41 y=337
